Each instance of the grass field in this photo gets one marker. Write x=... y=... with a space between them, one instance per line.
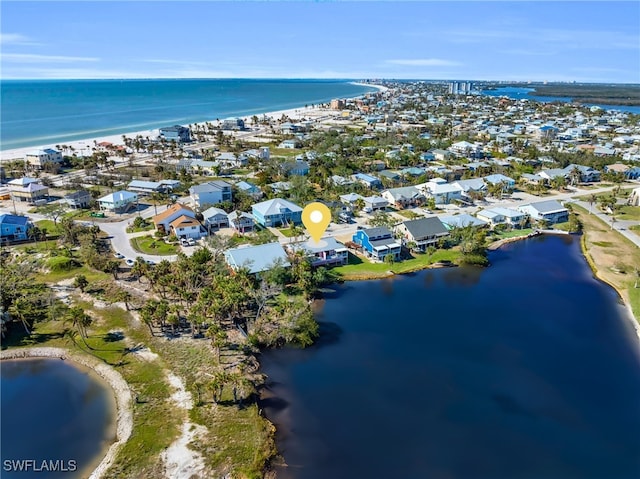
x=151 y=245
x=361 y=268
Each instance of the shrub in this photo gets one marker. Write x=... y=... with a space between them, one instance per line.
x=62 y=263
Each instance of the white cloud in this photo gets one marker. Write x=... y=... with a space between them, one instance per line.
x=424 y=62
x=16 y=39
x=34 y=58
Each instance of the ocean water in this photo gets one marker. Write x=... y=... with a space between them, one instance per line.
x=523 y=370
x=50 y=112
x=53 y=411
x=518 y=93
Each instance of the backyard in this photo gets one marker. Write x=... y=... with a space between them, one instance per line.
x=151 y=245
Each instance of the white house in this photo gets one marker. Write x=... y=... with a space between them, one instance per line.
x=442 y=193
x=550 y=211
x=40 y=158
x=118 y=202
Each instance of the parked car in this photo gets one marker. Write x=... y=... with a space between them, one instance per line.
x=129 y=262
x=191 y=242
x=118 y=255
x=184 y=242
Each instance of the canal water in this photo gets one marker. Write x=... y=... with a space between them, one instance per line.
x=57 y=419
x=526 y=369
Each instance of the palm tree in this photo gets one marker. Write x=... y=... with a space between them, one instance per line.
x=592 y=199
x=80 y=320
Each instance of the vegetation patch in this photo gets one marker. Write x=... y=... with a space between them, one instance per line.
x=151 y=245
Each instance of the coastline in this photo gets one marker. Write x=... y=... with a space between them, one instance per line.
x=120 y=388
x=294 y=113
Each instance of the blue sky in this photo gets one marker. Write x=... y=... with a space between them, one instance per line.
x=537 y=41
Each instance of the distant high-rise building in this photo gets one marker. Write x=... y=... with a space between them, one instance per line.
x=460 y=88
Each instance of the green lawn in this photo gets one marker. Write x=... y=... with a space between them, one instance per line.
x=362 y=268
x=51 y=227
x=288 y=233
x=635 y=229
x=133 y=229
x=511 y=234
x=630 y=213
x=151 y=245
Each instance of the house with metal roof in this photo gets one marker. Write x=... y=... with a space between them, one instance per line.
x=462 y=221
x=119 y=201
x=423 y=232
x=442 y=193
x=145 y=187
x=40 y=158
x=550 y=211
x=327 y=252
x=14 y=227
x=256 y=258
x=177 y=133
x=210 y=193
x=499 y=215
x=367 y=180
x=499 y=178
x=241 y=222
x=276 y=212
x=250 y=189
x=78 y=199
x=31 y=192
x=407 y=196
x=377 y=243
x=215 y=218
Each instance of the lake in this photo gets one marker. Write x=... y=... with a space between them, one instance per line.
x=55 y=412
x=526 y=369
x=520 y=93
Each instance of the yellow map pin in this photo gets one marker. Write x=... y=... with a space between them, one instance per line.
x=316 y=217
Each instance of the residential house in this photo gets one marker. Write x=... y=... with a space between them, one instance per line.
x=163 y=220
x=250 y=189
x=465 y=149
x=186 y=227
x=390 y=175
x=367 y=180
x=210 y=193
x=290 y=144
x=41 y=158
x=374 y=203
x=296 y=168
x=634 y=197
x=241 y=222
x=230 y=160
x=80 y=199
x=498 y=178
x=462 y=221
x=276 y=212
x=404 y=197
x=442 y=193
x=232 y=124
x=412 y=171
x=338 y=180
x=550 y=211
x=423 y=232
x=215 y=218
x=256 y=258
x=499 y=215
x=587 y=174
x=377 y=243
x=280 y=186
x=473 y=185
x=31 y=192
x=145 y=187
x=533 y=179
x=14 y=228
x=327 y=252
x=178 y=133
x=119 y=201
x=441 y=155
x=351 y=199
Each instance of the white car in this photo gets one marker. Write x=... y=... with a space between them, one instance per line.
x=118 y=255
x=129 y=262
x=191 y=242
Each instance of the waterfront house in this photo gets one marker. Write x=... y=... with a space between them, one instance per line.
x=462 y=221
x=256 y=258
x=327 y=252
x=214 y=218
x=377 y=243
x=551 y=211
x=408 y=196
x=80 y=199
x=210 y=193
x=178 y=133
x=367 y=180
x=241 y=222
x=423 y=232
x=498 y=215
x=232 y=124
x=41 y=158
x=276 y=212
x=163 y=220
x=119 y=201
x=186 y=227
x=14 y=227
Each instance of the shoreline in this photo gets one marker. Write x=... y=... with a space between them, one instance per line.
x=294 y=113
x=119 y=387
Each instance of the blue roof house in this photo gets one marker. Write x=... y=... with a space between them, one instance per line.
x=13 y=227
x=367 y=180
x=377 y=243
x=276 y=212
x=177 y=133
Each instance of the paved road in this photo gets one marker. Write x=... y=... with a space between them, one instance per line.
x=621 y=227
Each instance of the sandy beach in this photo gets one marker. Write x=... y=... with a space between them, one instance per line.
x=84 y=146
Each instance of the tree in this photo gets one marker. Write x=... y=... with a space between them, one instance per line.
x=53 y=211
x=381 y=218
x=592 y=199
x=80 y=282
x=81 y=321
